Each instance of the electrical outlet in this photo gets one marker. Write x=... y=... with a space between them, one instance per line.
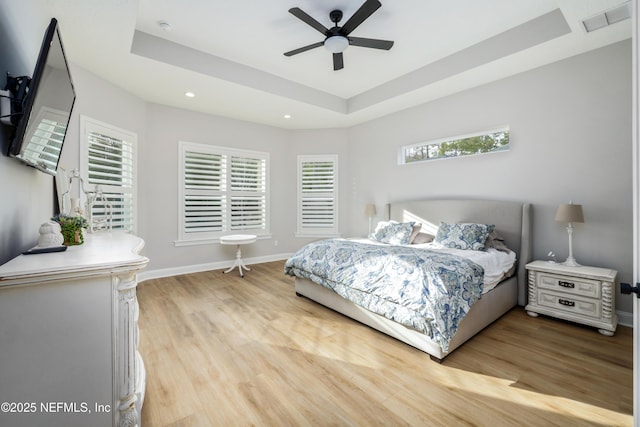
x=275 y=243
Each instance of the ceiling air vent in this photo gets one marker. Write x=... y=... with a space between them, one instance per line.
x=608 y=17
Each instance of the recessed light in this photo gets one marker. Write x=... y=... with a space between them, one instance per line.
x=164 y=25
x=189 y=94
x=287 y=116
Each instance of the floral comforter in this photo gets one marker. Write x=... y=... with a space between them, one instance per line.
x=419 y=288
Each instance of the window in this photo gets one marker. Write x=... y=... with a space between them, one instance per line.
x=109 y=161
x=464 y=145
x=221 y=190
x=317 y=195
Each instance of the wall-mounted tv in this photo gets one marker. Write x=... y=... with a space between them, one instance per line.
x=46 y=107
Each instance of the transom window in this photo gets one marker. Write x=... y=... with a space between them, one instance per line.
x=222 y=190
x=457 y=146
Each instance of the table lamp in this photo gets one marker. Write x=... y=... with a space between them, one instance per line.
x=370 y=211
x=570 y=213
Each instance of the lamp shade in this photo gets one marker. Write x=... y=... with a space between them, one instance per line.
x=370 y=209
x=569 y=213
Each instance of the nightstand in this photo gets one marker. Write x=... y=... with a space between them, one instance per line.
x=582 y=294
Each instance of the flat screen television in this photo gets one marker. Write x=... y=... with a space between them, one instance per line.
x=46 y=107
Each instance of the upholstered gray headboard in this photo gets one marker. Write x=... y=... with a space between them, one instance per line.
x=511 y=219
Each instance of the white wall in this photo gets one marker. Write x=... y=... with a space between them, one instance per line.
x=570 y=140
x=102 y=101
x=316 y=142
x=158 y=179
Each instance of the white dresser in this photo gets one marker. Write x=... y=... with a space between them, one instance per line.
x=69 y=335
x=580 y=294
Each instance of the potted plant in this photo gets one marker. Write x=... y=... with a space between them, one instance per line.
x=71 y=228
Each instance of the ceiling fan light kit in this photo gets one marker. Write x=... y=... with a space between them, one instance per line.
x=337 y=38
x=336 y=44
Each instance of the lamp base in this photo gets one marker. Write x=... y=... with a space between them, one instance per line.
x=571 y=262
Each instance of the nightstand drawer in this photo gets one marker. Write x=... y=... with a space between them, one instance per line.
x=570 y=303
x=579 y=294
x=571 y=285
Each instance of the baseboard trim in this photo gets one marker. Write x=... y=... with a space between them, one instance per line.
x=197 y=268
x=625 y=318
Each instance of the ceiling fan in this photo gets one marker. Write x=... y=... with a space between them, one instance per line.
x=337 y=39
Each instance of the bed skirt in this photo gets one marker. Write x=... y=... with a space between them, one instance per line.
x=489 y=308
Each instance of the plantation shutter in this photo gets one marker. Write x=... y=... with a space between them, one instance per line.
x=111 y=167
x=222 y=190
x=204 y=184
x=248 y=193
x=317 y=195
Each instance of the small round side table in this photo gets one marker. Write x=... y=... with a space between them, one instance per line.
x=238 y=240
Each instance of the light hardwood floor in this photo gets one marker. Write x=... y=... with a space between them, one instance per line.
x=224 y=351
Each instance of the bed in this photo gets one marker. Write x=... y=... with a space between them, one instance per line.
x=512 y=222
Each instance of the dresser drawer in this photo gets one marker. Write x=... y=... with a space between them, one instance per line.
x=571 y=285
x=570 y=303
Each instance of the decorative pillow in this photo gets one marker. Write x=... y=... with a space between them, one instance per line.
x=467 y=236
x=495 y=240
x=395 y=233
x=416 y=229
x=422 y=237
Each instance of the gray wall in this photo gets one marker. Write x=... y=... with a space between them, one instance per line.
x=27 y=194
x=571 y=140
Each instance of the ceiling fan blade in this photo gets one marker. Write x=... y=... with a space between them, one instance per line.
x=361 y=14
x=338 y=63
x=373 y=43
x=307 y=19
x=303 y=49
